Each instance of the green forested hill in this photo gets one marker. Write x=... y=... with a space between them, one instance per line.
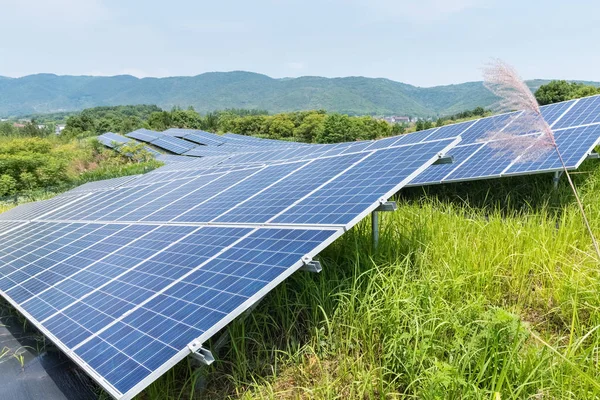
x=44 y=93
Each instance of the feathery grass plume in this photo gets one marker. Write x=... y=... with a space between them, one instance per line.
x=504 y=81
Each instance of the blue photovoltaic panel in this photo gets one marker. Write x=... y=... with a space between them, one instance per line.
x=270 y=202
x=436 y=173
x=585 y=111
x=205 y=151
x=144 y=135
x=172 y=144
x=108 y=139
x=209 y=209
x=496 y=160
x=8 y=226
x=29 y=211
x=102 y=185
x=196 y=136
x=416 y=137
x=552 y=112
x=574 y=143
x=450 y=131
x=379 y=176
x=482 y=128
x=181 y=205
x=193 y=305
x=488 y=162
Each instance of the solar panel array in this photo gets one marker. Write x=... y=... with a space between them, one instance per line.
x=128 y=277
x=109 y=139
x=576 y=126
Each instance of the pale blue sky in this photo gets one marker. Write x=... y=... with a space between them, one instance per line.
x=423 y=42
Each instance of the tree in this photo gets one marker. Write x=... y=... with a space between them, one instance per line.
x=159 y=121
x=280 y=126
x=336 y=129
x=555 y=92
x=311 y=127
x=8 y=185
x=398 y=129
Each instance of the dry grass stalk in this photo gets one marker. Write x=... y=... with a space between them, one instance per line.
x=504 y=81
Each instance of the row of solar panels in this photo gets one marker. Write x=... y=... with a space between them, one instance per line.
x=129 y=276
x=573 y=121
x=126 y=300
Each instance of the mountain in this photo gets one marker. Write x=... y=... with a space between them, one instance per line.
x=45 y=93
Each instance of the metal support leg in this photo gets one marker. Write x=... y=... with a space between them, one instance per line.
x=556 y=179
x=375 y=228
x=383 y=206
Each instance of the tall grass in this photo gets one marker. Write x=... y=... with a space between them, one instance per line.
x=493 y=295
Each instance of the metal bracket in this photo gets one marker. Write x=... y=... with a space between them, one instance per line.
x=200 y=354
x=593 y=156
x=310 y=265
x=444 y=159
x=387 y=206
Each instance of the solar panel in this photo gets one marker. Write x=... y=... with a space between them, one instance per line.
x=145 y=135
x=196 y=136
x=234 y=138
x=108 y=139
x=582 y=112
x=172 y=144
x=129 y=280
x=576 y=125
x=205 y=151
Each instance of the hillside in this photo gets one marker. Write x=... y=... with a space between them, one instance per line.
x=45 y=93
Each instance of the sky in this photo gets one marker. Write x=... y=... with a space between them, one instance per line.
x=421 y=42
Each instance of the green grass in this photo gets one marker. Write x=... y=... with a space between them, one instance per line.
x=477 y=291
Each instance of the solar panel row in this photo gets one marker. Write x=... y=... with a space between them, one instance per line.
x=124 y=286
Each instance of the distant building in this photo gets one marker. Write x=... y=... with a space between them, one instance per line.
x=17 y=125
x=41 y=126
x=400 y=120
x=59 y=128
x=397 y=119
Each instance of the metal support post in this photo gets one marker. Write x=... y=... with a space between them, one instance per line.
x=383 y=206
x=556 y=179
x=375 y=228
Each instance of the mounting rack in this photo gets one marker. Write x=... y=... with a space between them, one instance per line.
x=384 y=206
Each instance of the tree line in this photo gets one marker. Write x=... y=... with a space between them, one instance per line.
x=557 y=91
x=314 y=126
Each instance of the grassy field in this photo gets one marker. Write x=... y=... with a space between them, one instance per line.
x=477 y=291
x=486 y=290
